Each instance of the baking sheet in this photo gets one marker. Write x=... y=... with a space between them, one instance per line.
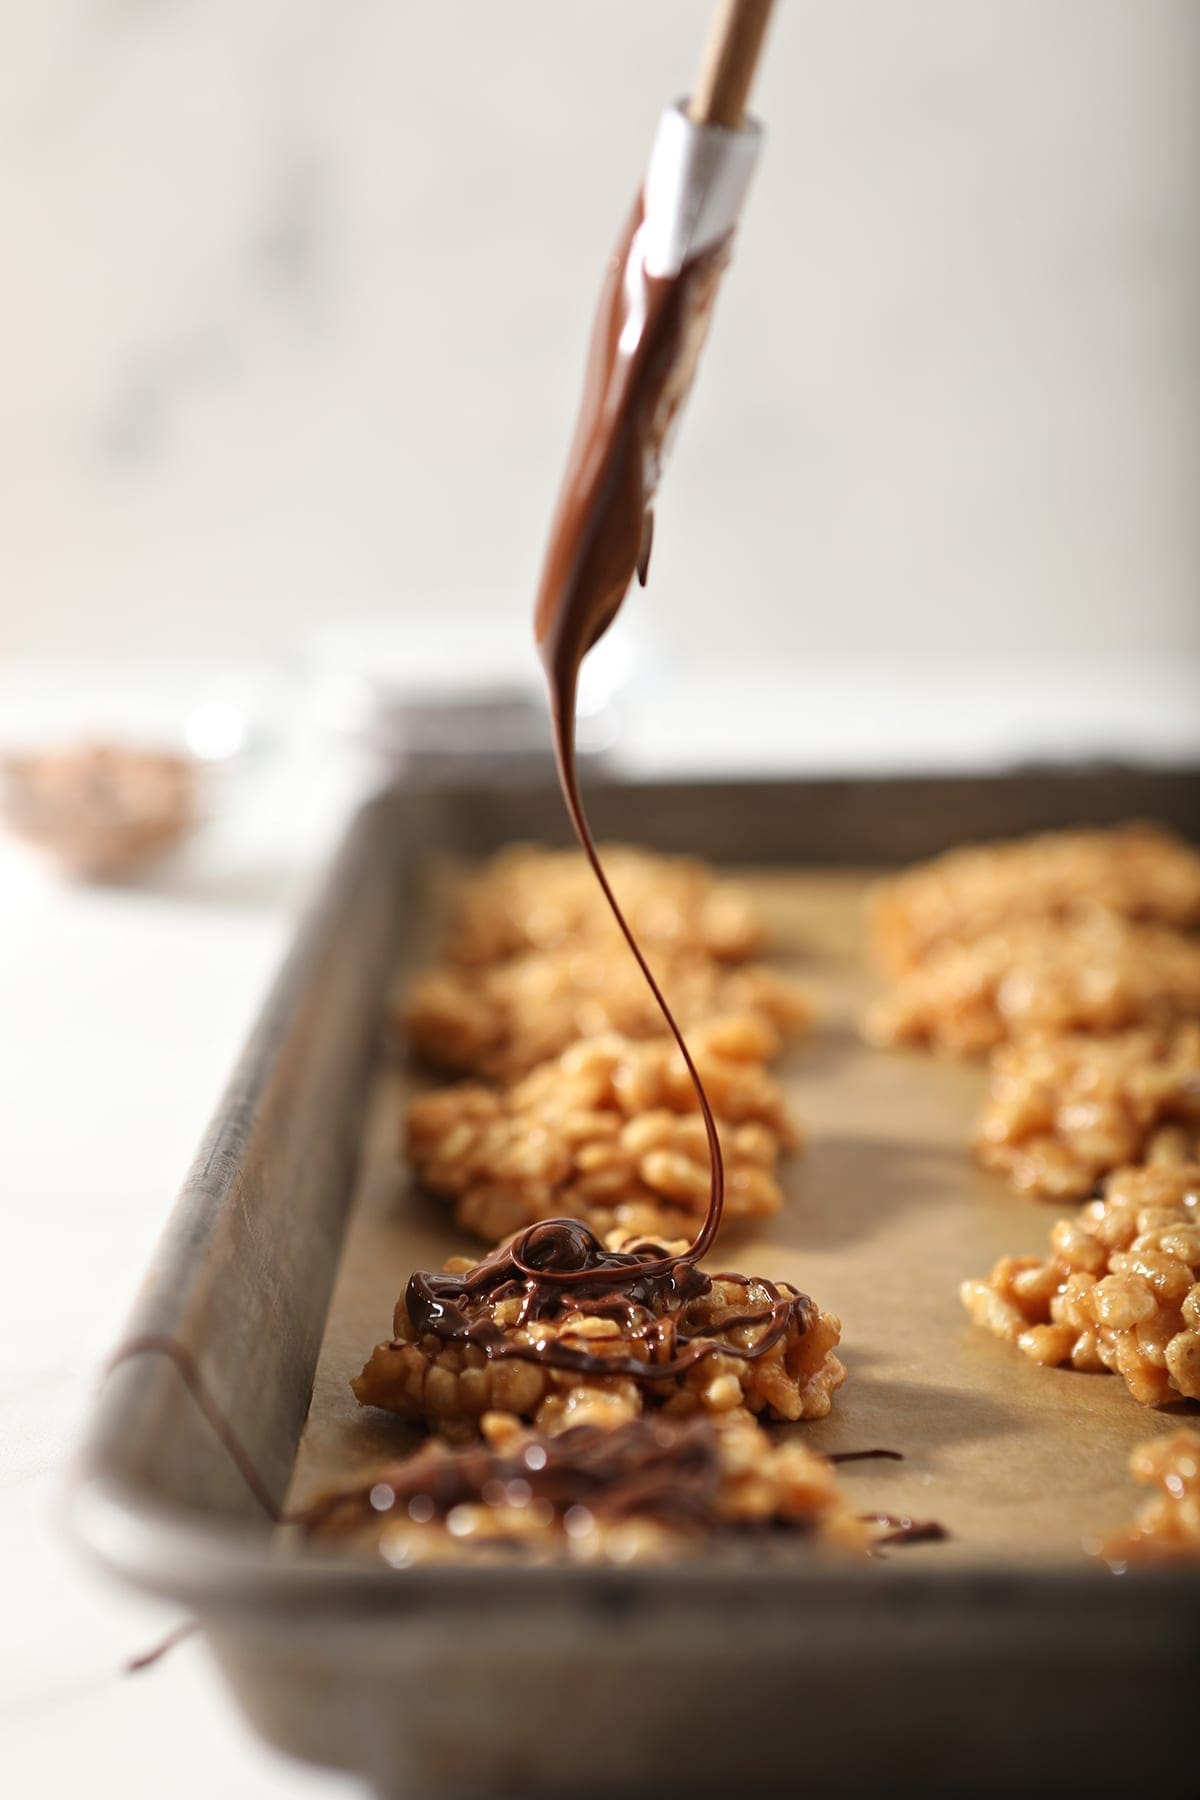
x=885 y=1214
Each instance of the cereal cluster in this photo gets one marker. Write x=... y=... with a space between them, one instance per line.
x=448 y=1387
x=1167 y=1528
x=609 y=1133
x=501 y=1020
x=1064 y=1110
x=528 y=898
x=1138 y=872
x=585 y=1107
x=1119 y=1291
x=634 y=1493
x=1096 y=972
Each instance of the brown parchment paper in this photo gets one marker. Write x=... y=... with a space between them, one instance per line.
x=885 y=1215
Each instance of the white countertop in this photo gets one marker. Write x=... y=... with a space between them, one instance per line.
x=122 y=1010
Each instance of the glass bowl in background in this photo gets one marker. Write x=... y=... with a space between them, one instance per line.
x=110 y=768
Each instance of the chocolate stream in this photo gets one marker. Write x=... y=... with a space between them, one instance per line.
x=647 y=332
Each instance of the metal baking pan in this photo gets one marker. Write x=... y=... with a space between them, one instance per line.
x=977 y=1672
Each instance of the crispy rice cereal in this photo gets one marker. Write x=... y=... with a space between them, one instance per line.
x=528 y=898
x=608 y=1133
x=1062 y=1111
x=1120 y=1291
x=1139 y=871
x=99 y=809
x=639 y=1492
x=502 y=1020
x=450 y=1386
x=1167 y=1528
x=1096 y=973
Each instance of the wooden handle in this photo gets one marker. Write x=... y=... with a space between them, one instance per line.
x=730 y=57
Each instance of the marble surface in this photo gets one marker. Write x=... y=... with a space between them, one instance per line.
x=297 y=293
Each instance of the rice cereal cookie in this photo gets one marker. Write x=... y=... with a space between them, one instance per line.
x=1096 y=973
x=528 y=898
x=1167 y=1527
x=641 y=1491
x=1119 y=1291
x=1064 y=1110
x=1138 y=871
x=501 y=1020
x=610 y=1133
x=558 y=1330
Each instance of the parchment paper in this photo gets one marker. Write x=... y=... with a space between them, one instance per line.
x=885 y=1215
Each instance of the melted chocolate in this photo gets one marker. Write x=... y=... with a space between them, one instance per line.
x=560 y=1266
x=648 y=330
x=903 y=1530
x=845 y=1456
x=660 y=1468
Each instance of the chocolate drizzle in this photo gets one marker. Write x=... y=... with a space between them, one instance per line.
x=849 y=1456
x=560 y=1267
x=647 y=334
x=645 y=339
x=662 y=1469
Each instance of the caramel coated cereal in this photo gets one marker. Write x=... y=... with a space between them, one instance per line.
x=1062 y=1111
x=528 y=899
x=609 y=1133
x=1138 y=871
x=1096 y=974
x=501 y=1020
x=1119 y=1291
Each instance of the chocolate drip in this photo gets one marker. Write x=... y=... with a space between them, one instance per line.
x=845 y=1456
x=903 y=1530
x=646 y=337
x=647 y=332
x=660 y=1469
x=188 y=1371
x=665 y=1470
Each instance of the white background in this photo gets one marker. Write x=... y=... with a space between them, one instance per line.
x=296 y=292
